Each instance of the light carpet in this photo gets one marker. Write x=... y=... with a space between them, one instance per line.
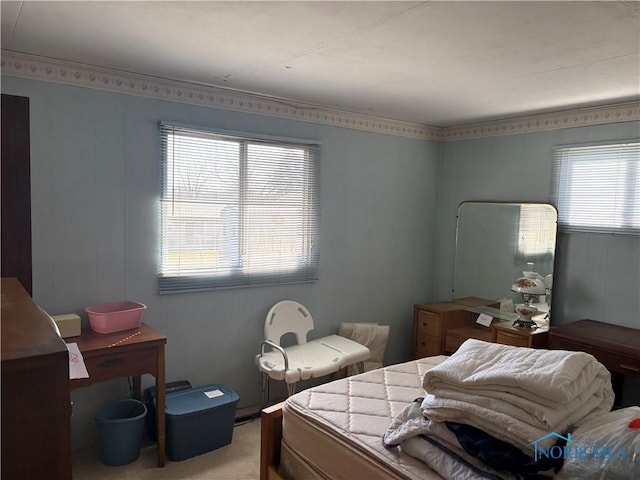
x=239 y=460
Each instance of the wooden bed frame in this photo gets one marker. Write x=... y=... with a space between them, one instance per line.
x=270 y=438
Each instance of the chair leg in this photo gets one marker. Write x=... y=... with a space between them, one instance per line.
x=360 y=367
x=291 y=388
x=264 y=397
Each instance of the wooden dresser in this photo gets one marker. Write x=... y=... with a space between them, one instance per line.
x=617 y=348
x=430 y=322
x=36 y=411
x=507 y=334
x=440 y=328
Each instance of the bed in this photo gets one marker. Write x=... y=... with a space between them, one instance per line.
x=338 y=427
x=517 y=397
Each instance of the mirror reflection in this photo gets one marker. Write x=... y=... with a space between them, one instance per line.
x=496 y=243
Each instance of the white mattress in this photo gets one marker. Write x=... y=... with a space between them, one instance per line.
x=336 y=429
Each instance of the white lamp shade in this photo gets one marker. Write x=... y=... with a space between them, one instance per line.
x=531 y=286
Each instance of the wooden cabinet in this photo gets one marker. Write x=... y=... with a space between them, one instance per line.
x=616 y=347
x=457 y=336
x=431 y=322
x=36 y=409
x=440 y=328
x=16 y=191
x=427 y=328
x=521 y=337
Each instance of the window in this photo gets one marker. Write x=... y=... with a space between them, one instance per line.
x=236 y=211
x=597 y=188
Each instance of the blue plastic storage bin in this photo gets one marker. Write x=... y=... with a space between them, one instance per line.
x=199 y=420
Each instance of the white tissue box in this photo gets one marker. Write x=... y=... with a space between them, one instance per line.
x=68 y=324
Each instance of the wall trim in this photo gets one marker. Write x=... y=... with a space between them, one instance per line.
x=69 y=73
x=579 y=117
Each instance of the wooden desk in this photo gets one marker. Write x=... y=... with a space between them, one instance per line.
x=130 y=353
x=617 y=348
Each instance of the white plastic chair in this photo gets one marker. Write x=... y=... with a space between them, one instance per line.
x=306 y=359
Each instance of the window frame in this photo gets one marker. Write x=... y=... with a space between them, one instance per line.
x=237 y=275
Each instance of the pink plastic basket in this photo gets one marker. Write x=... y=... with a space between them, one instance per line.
x=114 y=317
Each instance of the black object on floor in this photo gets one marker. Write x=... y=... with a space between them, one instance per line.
x=149 y=398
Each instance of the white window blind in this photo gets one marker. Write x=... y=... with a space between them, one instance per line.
x=536 y=233
x=597 y=188
x=236 y=211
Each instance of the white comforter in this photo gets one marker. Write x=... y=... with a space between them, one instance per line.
x=517 y=394
x=407 y=430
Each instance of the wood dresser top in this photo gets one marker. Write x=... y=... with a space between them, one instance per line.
x=91 y=341
x=604 y=335
x=27 y=331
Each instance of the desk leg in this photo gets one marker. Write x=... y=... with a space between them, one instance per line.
x=617 y=384
x=160 y=401
x=137 y=387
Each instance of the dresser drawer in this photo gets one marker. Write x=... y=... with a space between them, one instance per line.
x=452 y=343
x=506 y=338
x=427 y=346
x=428 y=323
x=121 y=364
x=615 y=362
x=457 y=336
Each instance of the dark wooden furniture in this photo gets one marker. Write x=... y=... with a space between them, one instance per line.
x=16 y=190
x=130 y=353
x=617 y=348
x=36 y=411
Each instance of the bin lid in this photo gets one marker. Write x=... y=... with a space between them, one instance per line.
x=199 y=399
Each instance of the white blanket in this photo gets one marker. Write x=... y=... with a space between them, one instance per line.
x=517 y=394
x=593 y=400
x=449 y=459
x=546 y=377
x=500 y=426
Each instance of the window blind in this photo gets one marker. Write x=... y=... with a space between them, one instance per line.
x=596 y=188
x=236 y=211
x=537 y=227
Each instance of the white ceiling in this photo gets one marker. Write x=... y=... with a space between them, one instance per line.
x=434 y=63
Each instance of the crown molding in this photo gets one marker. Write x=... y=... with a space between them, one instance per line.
x=68 y=73
x=81 y=75
x=579 y=117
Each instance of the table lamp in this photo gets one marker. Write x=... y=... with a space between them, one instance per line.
x=529 y=286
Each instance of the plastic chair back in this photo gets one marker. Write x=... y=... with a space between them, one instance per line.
x=285 y=317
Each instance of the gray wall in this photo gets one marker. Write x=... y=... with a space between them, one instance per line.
x=95 y=173
x=595 y=276
x=518 y=168
x=387 y=239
